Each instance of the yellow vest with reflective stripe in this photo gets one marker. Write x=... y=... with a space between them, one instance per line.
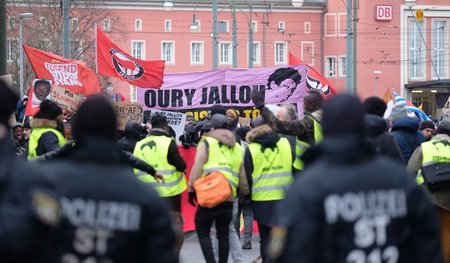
x=36 y=134
x=153 y=150
x=225 y=159
x=272 y=170
x=433 y=152
x=300 y=148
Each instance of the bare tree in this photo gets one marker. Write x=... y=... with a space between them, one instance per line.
x=44 y=31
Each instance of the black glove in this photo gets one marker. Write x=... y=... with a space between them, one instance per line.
x=257 y=98
x=192 y=198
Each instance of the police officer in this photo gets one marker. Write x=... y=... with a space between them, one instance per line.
x=352 y=205
x=88 y=207
x=161 y=151
x=268 y=162
x=45 y=137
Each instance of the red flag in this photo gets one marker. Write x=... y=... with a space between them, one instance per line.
x=73 y=75
x=314 y=80
x=32 y=108
x=113 y=61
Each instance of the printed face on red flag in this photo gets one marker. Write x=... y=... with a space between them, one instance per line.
x=113 y=61
x=70 y=74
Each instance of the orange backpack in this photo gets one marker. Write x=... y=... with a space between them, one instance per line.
x=212 y=189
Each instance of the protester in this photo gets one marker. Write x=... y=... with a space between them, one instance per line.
x=45 y=137
x=20 y=111
x=436 y=152
x=161 y=151
x=26 y=130
x=268 y=163
x=134 y=132
x=427 y=128
x=405 y=131
x=375 y=105
x=217 y=151
x=20 y=142
x=352 y=205
x=87 y=206
x=233 y=119
x=287 y=112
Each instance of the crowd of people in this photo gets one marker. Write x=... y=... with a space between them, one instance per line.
x=339 y=184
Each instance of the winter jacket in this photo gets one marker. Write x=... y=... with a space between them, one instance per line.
x=352 y=205
x=48 y=141
x=8 y=162
x=385 y=143
x=263 y=211
x=439 y=198
x=303 y=128
x=406 y=133
x=89 y=205
x=227 y=138
x=134 y=132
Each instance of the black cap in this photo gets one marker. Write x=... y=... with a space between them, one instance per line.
x=374 y=105
x=8 y=102
x=48 y=110
x=343 y=115
x=219 y=121
x=427 y=124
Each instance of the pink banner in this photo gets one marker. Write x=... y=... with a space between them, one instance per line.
x=197 y=92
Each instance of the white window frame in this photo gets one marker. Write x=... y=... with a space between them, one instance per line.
x=230 y=53
x=285 y=57
x=254 y=25
x=302 y=56
x=172 y=52
x=328 y=70
x=281 y=26
x=334 y=15
x=107 y=25
x=142 y=51
x=342 y=65
x=443 y=55
x=227 y=26
x=307 y=27
x=133 y=93
x=138 y=25
x=201 y=55
x=421 y=48
x=167 y=25
x=11 y=50
x=75 y=23
x=339 y=20
x=257 y=58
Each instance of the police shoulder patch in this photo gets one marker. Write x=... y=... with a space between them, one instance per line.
x=46 y=208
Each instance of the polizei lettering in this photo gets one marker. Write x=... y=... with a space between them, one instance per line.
x=102 y=214
x=176 y=98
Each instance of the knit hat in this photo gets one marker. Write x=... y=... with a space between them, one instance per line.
x=219 y=121
x=443 y=128
x=343 y=115
x=427 y=124
x=233 y=112
x=374 y=105
x=398 y=113
x=95 y=118
x=48 y=110
x=8 y=102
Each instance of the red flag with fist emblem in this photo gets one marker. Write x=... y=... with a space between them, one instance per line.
x=113 y=61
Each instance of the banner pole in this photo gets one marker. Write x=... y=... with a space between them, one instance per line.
x=96 y=51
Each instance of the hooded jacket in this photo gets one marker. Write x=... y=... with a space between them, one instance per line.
x=59 y=203
x=406 y=133
x=48 y=141
x=388 y=215
x=227 y=138
x=134 y=132
x=385 y=143
x=263 y=211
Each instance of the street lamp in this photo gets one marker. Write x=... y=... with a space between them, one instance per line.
x=297 y=3
x=194 y=28
x=22 y=17
x=410 y=3
x=377 y=74
x=168 y=5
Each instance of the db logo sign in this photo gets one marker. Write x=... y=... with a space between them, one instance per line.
x=383 y=12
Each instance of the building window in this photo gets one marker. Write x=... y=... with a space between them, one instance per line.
x=106 y=25
x=416 y=49
x=12 y=45
x=225 y=53
x=11 y=23
x=75 y=23
x=256 y=52
x=43 y=23
x=281 y=27
x=342 y=66
x=168 y=25
x=196 y=53
x=280 y=52
x=255 y=26
x=307 y=27
x=439 y=48
x=330 y=67
x=224 y=26
x=138 y=25
x=168 y=51
x=138 y=49
x=133 y=93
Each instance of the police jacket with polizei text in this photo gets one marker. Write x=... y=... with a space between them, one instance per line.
x=353 y=206
x=89 y=206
